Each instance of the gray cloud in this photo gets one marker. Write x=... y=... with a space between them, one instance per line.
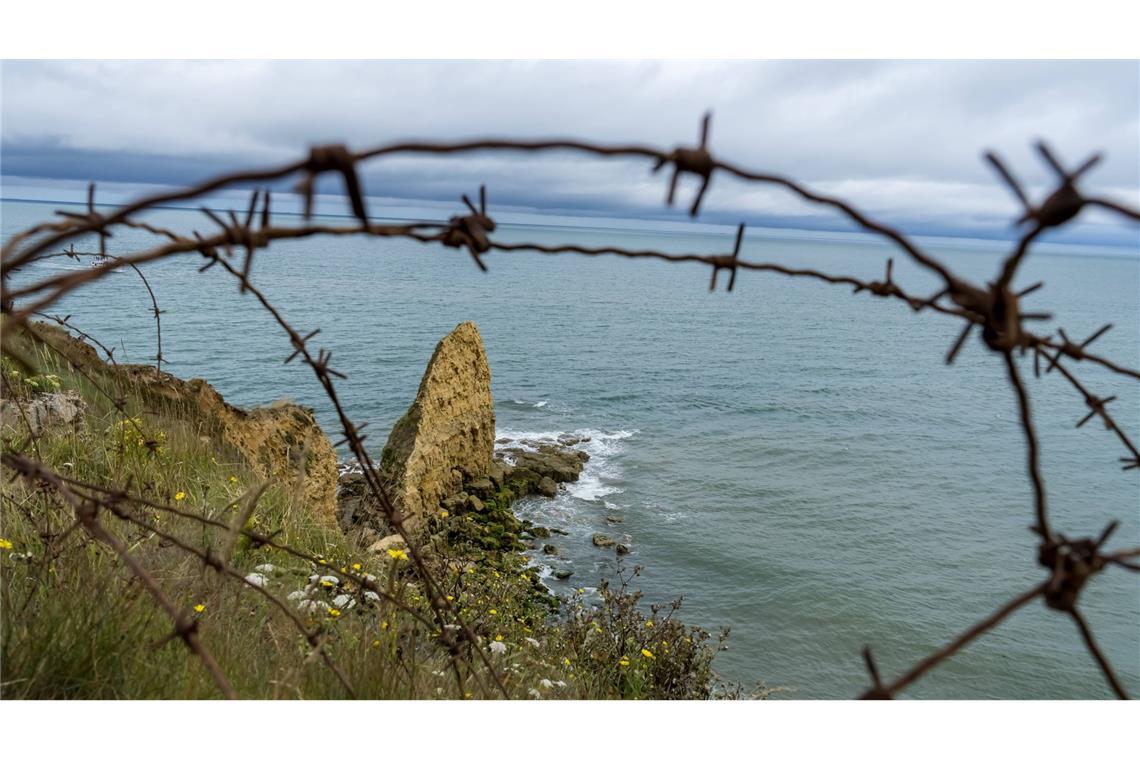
x=902 y=138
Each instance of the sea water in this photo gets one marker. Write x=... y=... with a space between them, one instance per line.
x=796 y=462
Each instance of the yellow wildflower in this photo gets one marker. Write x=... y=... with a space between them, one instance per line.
x=566 y=661
x=493 y=611
x=443 y=513
x=327 y=584
x=233 y=478
x=334 y=613
x=624 y=662
x=5 y=544
x=450 y=598
x=384 y=626
x=647 y=654
x=397 y=554
x=321 y=562
x=180 y=496
x=199 y=608
x=375 y=643
x=498 y=637
x=648 y=623
x=356 y=566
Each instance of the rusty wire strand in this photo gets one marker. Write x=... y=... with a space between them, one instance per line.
x=880 y=690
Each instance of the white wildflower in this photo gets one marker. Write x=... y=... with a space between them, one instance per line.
x=533 y=642
x=498 y=647
x=256 y=579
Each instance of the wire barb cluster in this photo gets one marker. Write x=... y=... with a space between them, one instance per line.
x=994 y=309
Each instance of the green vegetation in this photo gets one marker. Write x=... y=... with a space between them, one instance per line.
x=76 y=623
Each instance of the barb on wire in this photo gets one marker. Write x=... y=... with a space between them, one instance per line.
x=697 y=161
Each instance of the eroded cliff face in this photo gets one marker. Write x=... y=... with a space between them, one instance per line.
x=447 y=436
x=282 y=441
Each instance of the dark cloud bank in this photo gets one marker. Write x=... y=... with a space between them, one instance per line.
x=902 y=139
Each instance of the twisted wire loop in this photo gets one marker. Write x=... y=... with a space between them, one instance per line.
x=993 y=309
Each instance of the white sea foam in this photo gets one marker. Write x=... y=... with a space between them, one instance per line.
x=534 y=404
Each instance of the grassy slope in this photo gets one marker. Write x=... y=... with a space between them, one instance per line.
x=76 y=624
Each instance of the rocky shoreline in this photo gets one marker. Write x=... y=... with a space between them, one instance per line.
x=455 y=479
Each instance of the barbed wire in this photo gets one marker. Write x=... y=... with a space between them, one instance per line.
x=992 y=308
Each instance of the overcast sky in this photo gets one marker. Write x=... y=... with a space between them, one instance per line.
x=903 y=140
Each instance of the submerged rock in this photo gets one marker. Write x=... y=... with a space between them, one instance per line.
x=601 y=540
x=569 y=439
x=547 y=487
x=447 y=435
